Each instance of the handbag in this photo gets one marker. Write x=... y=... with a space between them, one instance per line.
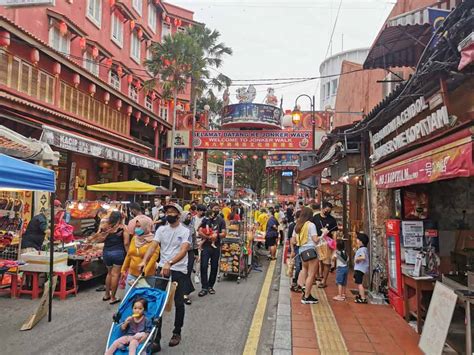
x=331 y=242
x=323 y=250
x=309 y=254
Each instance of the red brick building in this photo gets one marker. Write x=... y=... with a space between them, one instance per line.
x=72 y=75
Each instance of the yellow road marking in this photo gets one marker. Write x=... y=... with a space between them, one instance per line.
x=329 y=335
x=253 y=337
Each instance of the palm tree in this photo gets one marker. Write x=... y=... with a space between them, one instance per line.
x=171 y=65
x=212 y=52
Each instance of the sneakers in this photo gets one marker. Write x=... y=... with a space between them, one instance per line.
x=309 y=300
x=359 y=299
x=175 y=339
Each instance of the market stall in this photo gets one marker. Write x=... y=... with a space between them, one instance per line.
x=13 y=187
x=234 y=252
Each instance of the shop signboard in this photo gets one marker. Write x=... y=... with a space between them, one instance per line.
x=444 y=163
x=83 y=145
x=26 y=2
x=282 y=160
x=181 y=139
x=245 y=114
x=228 y=175
x=181 y=156
x=254 y=140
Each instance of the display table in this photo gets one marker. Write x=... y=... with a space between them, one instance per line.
x=468 y=300
x=419 y=285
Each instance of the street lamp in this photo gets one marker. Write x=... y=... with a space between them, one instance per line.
x=296 y=114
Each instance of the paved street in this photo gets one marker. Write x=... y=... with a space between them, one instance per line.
x=214 y=324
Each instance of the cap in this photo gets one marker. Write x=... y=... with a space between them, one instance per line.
x=363 y=238
x=57 y=203
x=175 y=206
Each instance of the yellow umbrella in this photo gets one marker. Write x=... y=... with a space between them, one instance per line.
x=124 y=186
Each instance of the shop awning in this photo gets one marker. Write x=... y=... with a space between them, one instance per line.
x=124 y=186
x=88 y=146
x=178 y=178
x=398 y=46
x=20 y=175
x=18 y=146
x=322 y=164
x=445 y=159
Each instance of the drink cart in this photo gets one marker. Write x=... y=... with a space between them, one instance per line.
x=234 y=253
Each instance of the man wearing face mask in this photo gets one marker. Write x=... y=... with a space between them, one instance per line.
x=188 y=221
x=211 y=249
x=174 y=243
x=156 y=208
x=324 y=221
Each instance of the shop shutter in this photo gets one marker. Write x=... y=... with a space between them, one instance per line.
x=3 y=67
x=75 y=99
x=43 y=82
x=80 y=106
x=97 y=111
x=62 y=97
x=50 y=89
x=15 y=74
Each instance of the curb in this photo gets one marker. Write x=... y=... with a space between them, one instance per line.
x=282 y=339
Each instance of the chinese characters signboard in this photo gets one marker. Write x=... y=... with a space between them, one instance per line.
x=446 y=164
x=245 y=114
x=254 y=140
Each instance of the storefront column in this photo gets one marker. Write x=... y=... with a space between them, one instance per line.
x=157 y=142
x=204 y=170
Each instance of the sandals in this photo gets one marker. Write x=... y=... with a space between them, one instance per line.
x=105 y=299
x=211 y=291
x=187 y=300
x=202 y=293
x=115 y=301
x=361 y=300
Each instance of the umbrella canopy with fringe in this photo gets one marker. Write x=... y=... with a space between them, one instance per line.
x=132 y=186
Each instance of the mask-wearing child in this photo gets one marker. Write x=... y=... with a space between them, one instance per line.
x=136 y=329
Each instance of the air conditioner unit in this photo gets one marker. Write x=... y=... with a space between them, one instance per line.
x=353 y=147
x=186 y=171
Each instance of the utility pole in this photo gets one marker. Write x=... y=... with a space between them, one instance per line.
x=173 y=133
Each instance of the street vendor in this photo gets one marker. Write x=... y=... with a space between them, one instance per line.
x=33 y=238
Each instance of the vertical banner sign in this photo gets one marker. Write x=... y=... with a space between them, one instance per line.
x=81 y=184
x=228 y=175
x=27 y=208
x=72 y=174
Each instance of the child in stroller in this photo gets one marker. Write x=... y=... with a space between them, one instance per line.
x=136 y=327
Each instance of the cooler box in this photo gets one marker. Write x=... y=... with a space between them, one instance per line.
x=39 y=261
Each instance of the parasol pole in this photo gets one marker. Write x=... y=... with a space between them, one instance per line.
x=51 y=258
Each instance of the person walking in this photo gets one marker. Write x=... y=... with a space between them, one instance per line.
x=141 y=241
x=306 y=237
x=188 y=221
x=211 y=251
x=116 y=240
x=173 y=240
x=271 y=235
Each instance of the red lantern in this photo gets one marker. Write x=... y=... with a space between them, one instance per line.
x=147 y=120
x=83 y=43
x=4 y=39
x=132 y=24
x=118 y=104
x=138 y=86
x=108 y=63
x=129 y=110
x=106 y=98
x=76 y=80
x=214 y=156
x=138 y=115
x=180 y=22
x=112 y=3
x=265 y=157
x=154 y=125
x=254 y=157
x=129 y=78
x=34 y=56
x=62 y=28
x=167 y=63
x=176 y=21
x=140 y=33
x=187 y=107
x=119 y=71
x=56 y=68
x=95 y=52
x=168 y=20
x=92 y=89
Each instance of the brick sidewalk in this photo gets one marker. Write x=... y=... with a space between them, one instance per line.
x=334 y=327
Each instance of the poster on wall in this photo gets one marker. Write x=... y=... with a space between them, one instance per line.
x=398 y=203
x=415 y=205
x=412 y=232
x=181 y=139
x=181 y=156
x=81 y=184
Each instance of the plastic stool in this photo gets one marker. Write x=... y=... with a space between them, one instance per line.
x=63 y=290
x=35 y=288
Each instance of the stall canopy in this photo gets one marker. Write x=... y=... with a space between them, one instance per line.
x=20 y=175
x=124 y=186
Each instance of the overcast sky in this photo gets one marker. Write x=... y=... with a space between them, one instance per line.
x=281 y=39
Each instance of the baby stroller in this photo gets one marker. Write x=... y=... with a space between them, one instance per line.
x=157 y=296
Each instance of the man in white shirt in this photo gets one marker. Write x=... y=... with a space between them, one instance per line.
x=156 y=208
x=173 y=239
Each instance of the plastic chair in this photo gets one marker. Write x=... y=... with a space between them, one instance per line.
x=62 y=283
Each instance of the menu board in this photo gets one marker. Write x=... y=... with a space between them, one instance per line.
x=438 y=320
x=412 y=233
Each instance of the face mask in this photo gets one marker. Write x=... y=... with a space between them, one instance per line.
x=139 y=231
x=171 y=219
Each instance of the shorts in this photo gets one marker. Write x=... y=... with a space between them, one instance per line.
x=358 y=277
x=113 y=257
x=341 y=275
x=271 y=241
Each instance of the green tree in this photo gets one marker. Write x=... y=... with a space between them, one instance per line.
x=171 y=65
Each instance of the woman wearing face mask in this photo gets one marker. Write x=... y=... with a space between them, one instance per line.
x=142 y=237
x=188 y=221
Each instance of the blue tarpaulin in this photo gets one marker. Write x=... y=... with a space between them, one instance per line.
x=20 y=175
